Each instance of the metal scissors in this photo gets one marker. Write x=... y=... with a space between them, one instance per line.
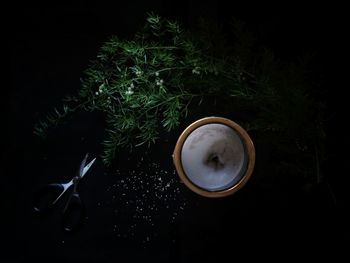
x=73 y=212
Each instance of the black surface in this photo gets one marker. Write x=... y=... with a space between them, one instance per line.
x=50 y=46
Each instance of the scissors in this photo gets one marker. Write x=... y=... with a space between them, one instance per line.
x=73 y=212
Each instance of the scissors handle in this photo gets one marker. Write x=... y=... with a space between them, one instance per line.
x=73 y=213
x=47 y=196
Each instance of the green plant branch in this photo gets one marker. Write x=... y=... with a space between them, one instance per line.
x=148 y=84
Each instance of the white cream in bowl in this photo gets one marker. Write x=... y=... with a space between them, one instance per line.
x=213 y=157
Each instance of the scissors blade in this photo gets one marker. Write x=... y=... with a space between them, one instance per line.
x=82 y=165
x=87 y=167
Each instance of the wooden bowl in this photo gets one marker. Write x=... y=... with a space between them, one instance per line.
x=214 y=157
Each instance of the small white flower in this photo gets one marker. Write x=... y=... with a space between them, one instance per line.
x=196 y=70
x=131 y=85
x=159 y=82
x=96 y=93
x=101 y=87
x=157 y=73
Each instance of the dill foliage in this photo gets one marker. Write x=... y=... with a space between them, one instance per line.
x=149 y=83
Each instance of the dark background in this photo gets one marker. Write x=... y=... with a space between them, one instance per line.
x=50 y=46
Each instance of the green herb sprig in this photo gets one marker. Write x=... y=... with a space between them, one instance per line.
x=148 y=84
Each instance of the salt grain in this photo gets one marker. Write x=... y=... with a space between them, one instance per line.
x=146 y=200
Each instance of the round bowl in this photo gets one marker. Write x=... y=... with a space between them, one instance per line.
x=214 y=157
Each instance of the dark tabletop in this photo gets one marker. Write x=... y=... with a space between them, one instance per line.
x=49 y=47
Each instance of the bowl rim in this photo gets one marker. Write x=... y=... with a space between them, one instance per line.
x=249 y=148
